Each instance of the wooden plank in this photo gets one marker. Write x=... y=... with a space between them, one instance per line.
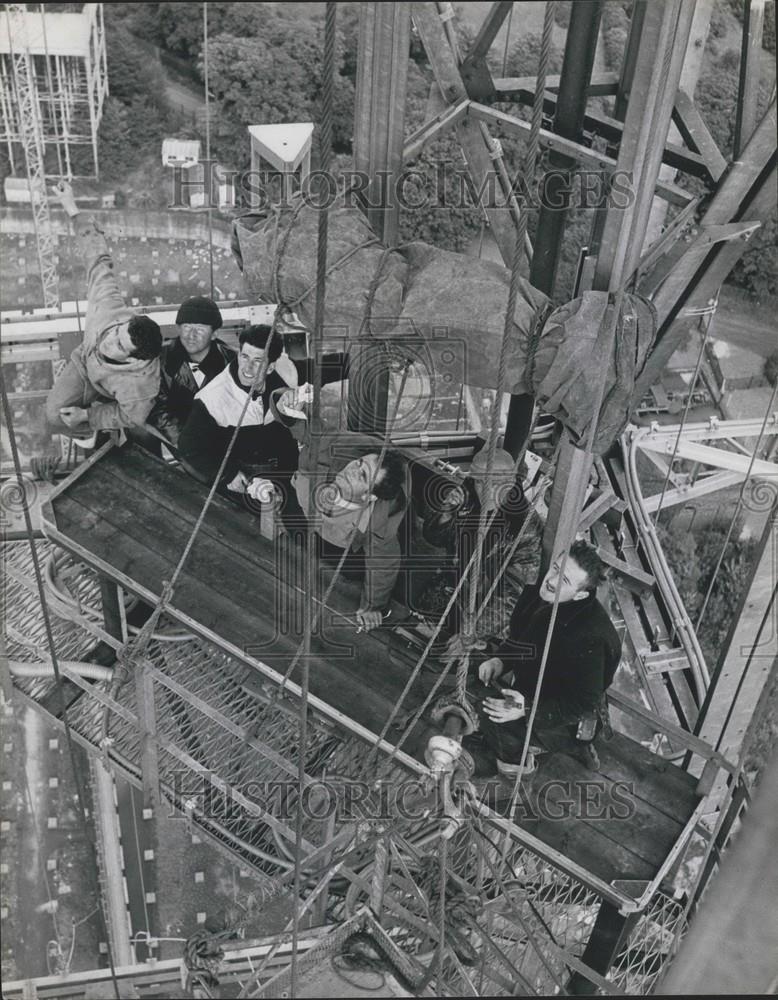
x=645 y=832
x=591 y=849
x=634 y=578
x=222 y=590
x=655 y=780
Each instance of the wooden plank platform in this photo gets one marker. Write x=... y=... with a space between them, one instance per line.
x=130 y=515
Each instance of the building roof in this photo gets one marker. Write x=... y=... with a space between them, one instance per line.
x=64 y=34
x=183 y=152
x=283 y=145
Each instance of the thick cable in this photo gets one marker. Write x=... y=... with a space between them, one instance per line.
x=398 y=744
x=80 y=794
x=208 y=186
x=530 y=164
x=616 y=306
x=442 y=884
x=325 y=154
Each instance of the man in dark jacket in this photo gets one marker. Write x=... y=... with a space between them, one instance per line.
x=263 y=446
x=583 y=656
x=187 y=364
x=454 y=527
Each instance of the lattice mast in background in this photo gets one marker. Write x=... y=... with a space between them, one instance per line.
x=30 y=129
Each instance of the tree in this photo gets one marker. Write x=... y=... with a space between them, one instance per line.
x=115 y=142
x=692 y=557
x=273 y=77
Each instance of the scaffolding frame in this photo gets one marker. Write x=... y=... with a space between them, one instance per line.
x=68 y=83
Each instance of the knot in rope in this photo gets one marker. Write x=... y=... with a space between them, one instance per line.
x=203 y=958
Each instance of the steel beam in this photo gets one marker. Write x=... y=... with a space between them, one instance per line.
x=652 y=97
x=696 y=134
x=584 y=155
x=702 y=487
x=716 y=457
x=674 y=155
x=747 y=193
x=750 y=71
x=611 y=929
x=685 y=267
x=384 y=41
x=747 y=657
x=475 y=72
x=657 y=71
x=580 y=47
x=711 y=430
x=523 y=87
x=472 y=140
x=447 y=119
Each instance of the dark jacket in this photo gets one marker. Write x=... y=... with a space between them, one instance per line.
x=177 y=388
x=584 y=654
x=262 y=446
x=456 y=531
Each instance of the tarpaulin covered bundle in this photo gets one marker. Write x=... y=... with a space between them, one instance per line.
x=577 y=345
x=454 y=304
x=276 y=250
x=463 y=299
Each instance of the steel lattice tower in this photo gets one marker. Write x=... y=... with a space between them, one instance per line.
x=32 y=142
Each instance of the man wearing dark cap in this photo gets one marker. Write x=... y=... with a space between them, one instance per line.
x=188 y=363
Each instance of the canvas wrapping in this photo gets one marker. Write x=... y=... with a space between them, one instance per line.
x=455 y=307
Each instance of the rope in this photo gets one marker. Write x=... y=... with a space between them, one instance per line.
x=617 y=300
x=692 y=386
x=322 y=603
x=417 y=670
x=443 y=849
x=532 y=347
x=513 y=292
x=328 y=88
x=442 y=676
x=208 y=186
x=339 y=263
x=366 y=324
x=9 y=421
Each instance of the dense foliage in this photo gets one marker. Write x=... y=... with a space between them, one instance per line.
x=693 y=557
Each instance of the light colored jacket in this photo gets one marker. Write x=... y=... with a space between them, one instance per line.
x=129 y=387
x=376 y=534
